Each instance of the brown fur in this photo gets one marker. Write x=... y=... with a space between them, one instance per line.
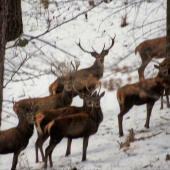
x=44 y=117
x=145 y=92
x=88 y=76
x=50 y=102
x=74 y=126
x=154 y=48
x=16 y=139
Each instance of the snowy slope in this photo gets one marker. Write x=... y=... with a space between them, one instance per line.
x=103 y=21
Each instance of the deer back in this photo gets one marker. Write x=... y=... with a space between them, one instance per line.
x=154 y=48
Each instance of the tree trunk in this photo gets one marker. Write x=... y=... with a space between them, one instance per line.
x=14 y=27
x=3 y=26
x=168 y=28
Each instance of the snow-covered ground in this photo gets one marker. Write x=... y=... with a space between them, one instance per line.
x=103 y=21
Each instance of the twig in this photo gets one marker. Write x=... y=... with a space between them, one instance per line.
x=164 y=118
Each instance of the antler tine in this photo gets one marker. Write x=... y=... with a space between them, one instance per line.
x=73 y=65
x=113 y=41
x=94 y=50
x=91 y=91
x=77 y=91
x=52 y=71
x=77 y=64
x=82 y=47
x=103 y=47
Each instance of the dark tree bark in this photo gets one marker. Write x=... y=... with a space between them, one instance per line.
x=168 y=28
x=3 y=26
x=15 y=26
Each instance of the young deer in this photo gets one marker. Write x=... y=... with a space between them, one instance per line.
x=145 y=92
x=16 y=139
x=81 y=125
x=51 y=102
x=154 y=48
x=44 y=117
x=88 y=76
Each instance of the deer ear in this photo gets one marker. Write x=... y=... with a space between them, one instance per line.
x=156 y=66
x=94 y=94
x=102 y=94
x=93 y=54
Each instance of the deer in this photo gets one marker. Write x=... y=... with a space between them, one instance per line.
x=88 y=76
x=145 y=92
x=44 y=117
x=164 y=64
x=154 y=48
x=81 y=125
x=16 y=139
x=51 y=102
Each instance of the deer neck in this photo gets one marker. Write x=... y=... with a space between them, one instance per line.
x=26 y=128
x=97 y=114
x=86 y=108
x=67 y=97
x=97 y=70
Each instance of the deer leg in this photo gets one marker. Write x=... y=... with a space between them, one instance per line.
x=123 y=111
x=85 y=144
x=167 y=96
x=39 y=144
x=68 y=151
x=149 y=107
x=167 y=100
x=161 y=102
x=36 y=151
x=141 y=69
x=49 y=150
x=15 y=159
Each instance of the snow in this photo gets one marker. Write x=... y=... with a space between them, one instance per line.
x=103 y=21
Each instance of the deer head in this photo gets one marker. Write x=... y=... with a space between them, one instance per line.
x=164 y=67
x=99 y=56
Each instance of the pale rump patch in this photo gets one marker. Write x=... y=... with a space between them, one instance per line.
x=48 y=127
x=39 y=118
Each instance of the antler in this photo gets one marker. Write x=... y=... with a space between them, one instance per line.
x=91 y=91
x=58 y=68
x=83 y=49
x=75 y=68
x=113 y=41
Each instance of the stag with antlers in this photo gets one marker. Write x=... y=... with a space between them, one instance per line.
x=74 y=126
x=44 y=117
x=88 y=76
x=51 y=102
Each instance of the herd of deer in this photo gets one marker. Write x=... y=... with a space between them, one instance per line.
x=53 y=116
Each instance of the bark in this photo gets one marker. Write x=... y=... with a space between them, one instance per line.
x=15 y=26
x=3 y=26
x=168 y=28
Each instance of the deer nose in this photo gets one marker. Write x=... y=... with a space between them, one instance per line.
x=101 y=60
x=34 y=118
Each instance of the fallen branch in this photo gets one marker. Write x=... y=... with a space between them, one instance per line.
x=130 y=138
x=164 y=118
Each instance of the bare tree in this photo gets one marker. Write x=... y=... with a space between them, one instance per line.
x=168 y=28
x=14 y=26
x=3 y=40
